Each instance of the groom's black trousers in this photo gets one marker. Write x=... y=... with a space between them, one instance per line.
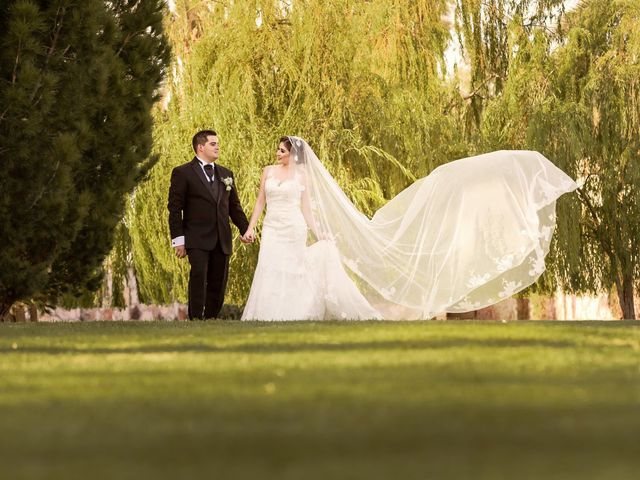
x=207 y=282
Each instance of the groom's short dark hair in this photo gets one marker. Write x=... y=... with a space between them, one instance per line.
x=200 y=138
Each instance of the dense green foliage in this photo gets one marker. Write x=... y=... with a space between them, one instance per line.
x=414 y=400
x=578 y=102
x=362 y=81
x=485 y=30
x=592 y=122
x=77 y=83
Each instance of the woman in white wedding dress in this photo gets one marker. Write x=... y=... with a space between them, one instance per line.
x=294 y=281
x=473 y=232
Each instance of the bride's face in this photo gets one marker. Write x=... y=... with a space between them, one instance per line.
x=283 y=154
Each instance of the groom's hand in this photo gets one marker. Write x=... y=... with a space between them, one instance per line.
x=181 y=251
x=248 y=237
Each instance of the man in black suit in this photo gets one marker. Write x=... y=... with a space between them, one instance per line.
x=202 y=198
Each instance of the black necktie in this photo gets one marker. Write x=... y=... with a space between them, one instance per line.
x=208 y=169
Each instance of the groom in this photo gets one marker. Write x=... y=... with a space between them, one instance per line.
x=202 y=198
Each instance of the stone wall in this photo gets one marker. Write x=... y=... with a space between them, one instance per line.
x=174 y=311
x=559 y=307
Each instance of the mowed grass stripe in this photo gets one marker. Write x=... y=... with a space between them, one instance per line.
x=320 y=400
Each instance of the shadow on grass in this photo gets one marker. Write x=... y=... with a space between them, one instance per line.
x=298 y=347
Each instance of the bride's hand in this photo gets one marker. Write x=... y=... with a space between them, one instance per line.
x=248 y=237
x=323 y=236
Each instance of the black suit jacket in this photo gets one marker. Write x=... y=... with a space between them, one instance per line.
x=200 y=215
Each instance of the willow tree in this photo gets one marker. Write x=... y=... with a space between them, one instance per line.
x=78 y=80
x=579 y=103
x=598 y=81
x=484 y=29
x=361 y=81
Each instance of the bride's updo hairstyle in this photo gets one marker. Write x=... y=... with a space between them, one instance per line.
x=287 y=142
x=296 y=150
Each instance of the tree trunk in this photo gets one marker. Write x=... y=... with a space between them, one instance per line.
x=107 y=294
x=33 y=312
x=19 y=313
x=624 y=287
x=130 y=292
x=524 y=308
x=5 y=308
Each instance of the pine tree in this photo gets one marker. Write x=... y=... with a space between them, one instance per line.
x=78 y=80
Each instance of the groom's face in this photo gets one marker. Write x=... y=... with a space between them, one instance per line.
x=210 y=151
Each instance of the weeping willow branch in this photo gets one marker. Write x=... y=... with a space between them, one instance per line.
x=367 y=94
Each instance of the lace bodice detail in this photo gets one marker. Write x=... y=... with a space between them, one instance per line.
x=284 y=199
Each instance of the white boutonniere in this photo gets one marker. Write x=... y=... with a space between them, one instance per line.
x=228 y=181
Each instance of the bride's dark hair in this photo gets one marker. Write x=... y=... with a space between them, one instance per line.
x=287 y=142
x=298 y=153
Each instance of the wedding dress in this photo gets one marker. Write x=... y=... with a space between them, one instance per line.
x=472 y=233
x=294 y=281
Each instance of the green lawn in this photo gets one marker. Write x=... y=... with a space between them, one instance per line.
x=302 y=400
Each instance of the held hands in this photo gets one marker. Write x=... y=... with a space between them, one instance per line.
x=248 y=237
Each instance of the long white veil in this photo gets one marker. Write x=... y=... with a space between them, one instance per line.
x=471 y=233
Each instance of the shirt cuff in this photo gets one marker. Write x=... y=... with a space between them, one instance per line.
x=178 y=241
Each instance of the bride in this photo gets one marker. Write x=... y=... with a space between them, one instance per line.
x=473 y=232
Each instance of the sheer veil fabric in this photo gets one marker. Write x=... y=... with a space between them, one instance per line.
x=473 y=232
